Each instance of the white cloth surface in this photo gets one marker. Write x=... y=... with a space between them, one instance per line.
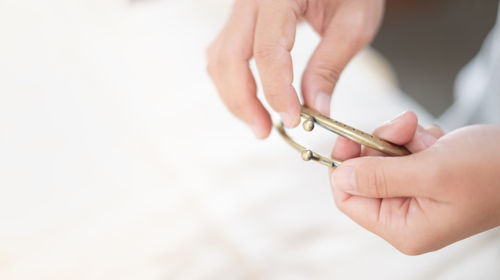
x=118 y=161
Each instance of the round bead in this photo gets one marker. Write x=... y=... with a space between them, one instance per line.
x=307 y=155
x=308 y=125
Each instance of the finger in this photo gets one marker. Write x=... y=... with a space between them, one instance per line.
x=274 y=39
x=399 y=131
x=228 y=67
x=351 y=28
x=404 y=130
x=421 y=140
x=345 y=149
x=435 y=130
x=385 y=217
x=386 y=176
x=424 y=138
x=363 y=210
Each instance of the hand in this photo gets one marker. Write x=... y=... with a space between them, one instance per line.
x=265 y=29
x=447 y=190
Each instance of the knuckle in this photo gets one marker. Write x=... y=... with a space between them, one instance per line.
x=211 y=60
x=236 y=106
x=214 y=68
x=276 y=96
x=362 y=37
x=209 y=51
x=328 y=72
x=412 y=242
x=410 y=250
x=219 y=59
x=436 y=129
x=210 y=69
x=361 y=29
x=217 y=63
x=273 y=93
x=411 y=246
x=263 y=52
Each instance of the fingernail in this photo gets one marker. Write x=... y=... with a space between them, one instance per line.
x=345 y=179
x=288 y=119
x=322 y=103
x=397 y=118
x=256 y=131
x=428 y=139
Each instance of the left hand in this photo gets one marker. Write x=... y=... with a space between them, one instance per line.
x=447 y=190
x=265 y=30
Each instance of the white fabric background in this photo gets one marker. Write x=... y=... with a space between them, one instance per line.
x=118 y=161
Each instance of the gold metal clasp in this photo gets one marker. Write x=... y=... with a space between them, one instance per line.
x=312 y=117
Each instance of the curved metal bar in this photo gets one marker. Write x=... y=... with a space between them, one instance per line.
x=306 y=153
x=354 y=134
x=312 y=117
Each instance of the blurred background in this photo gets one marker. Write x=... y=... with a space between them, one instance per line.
x=428 y=42
x=118 y=161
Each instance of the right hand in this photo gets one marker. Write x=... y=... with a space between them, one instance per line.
x=447 y=190
x=265 y=29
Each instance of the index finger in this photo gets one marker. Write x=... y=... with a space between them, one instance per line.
x=274 y=39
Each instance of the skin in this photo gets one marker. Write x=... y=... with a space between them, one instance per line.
x=447 y=190
x=265 y=30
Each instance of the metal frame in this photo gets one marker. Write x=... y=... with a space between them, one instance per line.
x=312 y=117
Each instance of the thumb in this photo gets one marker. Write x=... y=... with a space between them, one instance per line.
x=383 y=177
